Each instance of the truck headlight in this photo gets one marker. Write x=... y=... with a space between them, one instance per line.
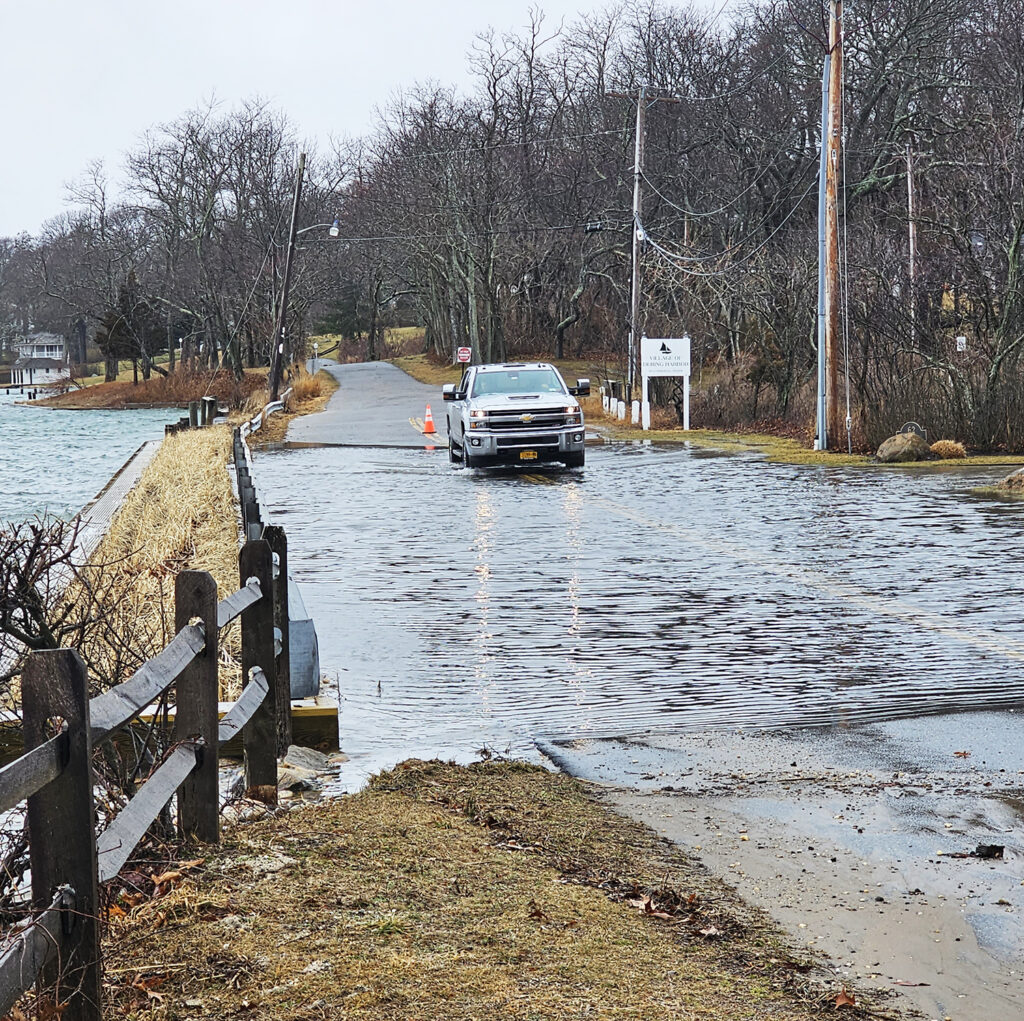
x=478 y=413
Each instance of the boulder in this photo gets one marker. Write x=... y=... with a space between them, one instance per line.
x=294 y=778
x=1013 y=481
x=904 y=447
x=306 y=758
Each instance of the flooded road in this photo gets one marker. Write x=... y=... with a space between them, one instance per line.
x=658 y=590
x=811 y=678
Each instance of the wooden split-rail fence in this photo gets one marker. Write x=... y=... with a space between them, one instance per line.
x=58 y=949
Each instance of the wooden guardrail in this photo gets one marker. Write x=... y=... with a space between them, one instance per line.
x=59 y=947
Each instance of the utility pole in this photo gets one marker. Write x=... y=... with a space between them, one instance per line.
x=634 y=285
x=277 y=353
x=643 y=99
x=832 y=291
x=912 y=237
x=821 y=416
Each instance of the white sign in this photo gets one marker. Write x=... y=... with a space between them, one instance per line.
x=961 y=343
x=664 y=357
x=660 y=357
x=464 y=354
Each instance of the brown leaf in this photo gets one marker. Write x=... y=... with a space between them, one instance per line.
x=166 y=878
x=845 y=999
x=711 y=932
x=962 y=755
x=536 y=911
x=193 y=864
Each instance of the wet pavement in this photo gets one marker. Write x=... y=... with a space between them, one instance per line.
x=666 y=596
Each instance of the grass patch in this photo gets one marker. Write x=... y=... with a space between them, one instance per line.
x=179 y=516
x=496 y=890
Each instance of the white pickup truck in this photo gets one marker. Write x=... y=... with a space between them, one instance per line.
x=515 y=413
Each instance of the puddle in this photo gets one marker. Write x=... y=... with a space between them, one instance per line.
x=464 y=609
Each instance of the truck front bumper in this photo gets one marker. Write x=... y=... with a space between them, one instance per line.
x=524 y=447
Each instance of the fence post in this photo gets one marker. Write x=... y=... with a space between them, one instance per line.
x=193 y=414
x=62 y=826
x=195 y=595
x=259 y=735
x=278 y=543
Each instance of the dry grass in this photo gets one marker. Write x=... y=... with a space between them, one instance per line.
x=309 y=395
x=497 y=890
x=174 y=391
x=949 y=449
x=180 y=516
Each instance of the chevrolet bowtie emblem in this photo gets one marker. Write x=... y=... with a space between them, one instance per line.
x=526 y=418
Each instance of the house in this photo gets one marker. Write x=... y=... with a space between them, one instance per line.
x=42 y=358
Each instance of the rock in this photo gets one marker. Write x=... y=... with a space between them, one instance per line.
x=1012 y=481
x=293 y=778
x=306 y=758
x=904 y=447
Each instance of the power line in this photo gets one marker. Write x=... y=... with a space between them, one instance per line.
x=750 y=234
x=605 y=225
x=675 y=259
x=479 y=149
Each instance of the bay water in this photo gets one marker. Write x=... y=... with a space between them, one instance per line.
x=55 y=462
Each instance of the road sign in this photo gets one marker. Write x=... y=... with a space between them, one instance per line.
x=464 y=354
x=669 y=357
x=664 y=357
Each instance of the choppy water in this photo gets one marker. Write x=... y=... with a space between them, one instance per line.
x=659 y=589
x=57 y=461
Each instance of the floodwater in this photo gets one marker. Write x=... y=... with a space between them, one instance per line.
x=661 y=589
x=57 y=461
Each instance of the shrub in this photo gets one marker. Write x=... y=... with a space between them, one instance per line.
x=947 y=449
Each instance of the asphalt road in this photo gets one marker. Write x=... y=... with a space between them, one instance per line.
x=375 y=405
x=810 y=677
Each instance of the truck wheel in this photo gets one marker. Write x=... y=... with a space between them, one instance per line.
x=574 y=460
x=469 y=460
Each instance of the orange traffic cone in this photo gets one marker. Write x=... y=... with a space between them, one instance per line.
x=428 y=422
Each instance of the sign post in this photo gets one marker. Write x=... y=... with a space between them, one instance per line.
x=664 y=357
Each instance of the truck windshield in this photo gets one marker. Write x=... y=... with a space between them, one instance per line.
x=518 y=381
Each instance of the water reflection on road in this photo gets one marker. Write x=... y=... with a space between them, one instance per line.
x=658 y=589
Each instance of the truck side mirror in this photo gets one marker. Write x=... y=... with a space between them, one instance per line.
x=581 y=389
x=448 y=392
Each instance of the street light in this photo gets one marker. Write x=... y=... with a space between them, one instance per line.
x=333 y=229
x=293 y=232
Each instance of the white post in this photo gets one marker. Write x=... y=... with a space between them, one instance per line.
x=621 y=411
x=634 y=412
x=686 y=403
x=645 y=407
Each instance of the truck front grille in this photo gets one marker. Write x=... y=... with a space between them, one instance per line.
x=553 y=418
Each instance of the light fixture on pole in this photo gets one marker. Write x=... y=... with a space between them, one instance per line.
x=333 y=230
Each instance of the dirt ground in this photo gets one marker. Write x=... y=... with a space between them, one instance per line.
x=494 y=890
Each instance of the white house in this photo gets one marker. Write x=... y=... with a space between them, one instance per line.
x=42 y=358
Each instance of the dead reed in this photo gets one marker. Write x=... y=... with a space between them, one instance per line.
x=180 y=516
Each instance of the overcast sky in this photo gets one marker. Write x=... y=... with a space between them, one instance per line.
x=83 y=80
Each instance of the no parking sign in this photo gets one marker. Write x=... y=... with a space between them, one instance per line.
x=464 y=354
